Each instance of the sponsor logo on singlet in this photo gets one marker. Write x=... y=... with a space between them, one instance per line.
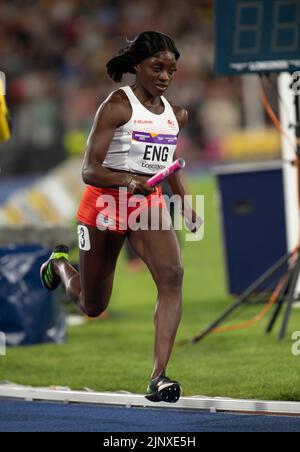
x=142 y=121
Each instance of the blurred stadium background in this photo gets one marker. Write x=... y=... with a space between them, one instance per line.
x=54 y=55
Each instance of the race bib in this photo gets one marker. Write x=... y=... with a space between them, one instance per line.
x=150 y=153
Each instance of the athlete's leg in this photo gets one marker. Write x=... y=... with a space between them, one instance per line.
x=160 y=251
x=91 y=288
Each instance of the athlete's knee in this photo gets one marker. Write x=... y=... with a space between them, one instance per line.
x=94 y=311
x=96 y=306
x=171 y=275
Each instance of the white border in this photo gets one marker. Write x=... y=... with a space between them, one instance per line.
x=137 y=400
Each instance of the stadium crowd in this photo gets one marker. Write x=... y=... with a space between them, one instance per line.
x=54 y=54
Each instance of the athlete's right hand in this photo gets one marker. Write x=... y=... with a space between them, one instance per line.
x=137 y=185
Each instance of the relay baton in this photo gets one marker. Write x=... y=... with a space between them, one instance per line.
x=171 y=169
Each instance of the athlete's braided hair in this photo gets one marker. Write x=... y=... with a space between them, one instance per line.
x=144 y=46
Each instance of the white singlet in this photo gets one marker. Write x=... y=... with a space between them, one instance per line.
x=147 y=142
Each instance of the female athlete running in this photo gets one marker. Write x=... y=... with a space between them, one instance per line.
x=133 y=137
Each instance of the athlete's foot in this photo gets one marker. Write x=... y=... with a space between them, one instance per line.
x=49 y=278
x=162 y=389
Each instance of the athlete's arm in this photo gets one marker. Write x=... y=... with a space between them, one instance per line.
x=114 y=113
x=176 y=180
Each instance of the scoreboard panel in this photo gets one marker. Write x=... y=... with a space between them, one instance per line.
x=257 y=36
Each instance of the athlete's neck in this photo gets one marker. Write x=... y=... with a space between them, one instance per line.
x=145 y=97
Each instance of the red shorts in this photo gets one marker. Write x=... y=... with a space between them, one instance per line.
x=113 y=209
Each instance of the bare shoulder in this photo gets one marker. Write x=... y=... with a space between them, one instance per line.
x=116 y=110
x=119 y=98
x=181 y=115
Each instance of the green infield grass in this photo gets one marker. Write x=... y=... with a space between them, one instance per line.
x=115 y=353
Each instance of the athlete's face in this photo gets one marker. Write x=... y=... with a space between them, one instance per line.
x=156 y=73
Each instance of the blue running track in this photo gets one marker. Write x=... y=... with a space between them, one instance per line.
x=21 y=416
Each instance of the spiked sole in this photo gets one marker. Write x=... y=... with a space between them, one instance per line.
x=169 y=392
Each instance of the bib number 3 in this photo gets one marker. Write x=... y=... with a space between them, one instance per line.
x=84 y=241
